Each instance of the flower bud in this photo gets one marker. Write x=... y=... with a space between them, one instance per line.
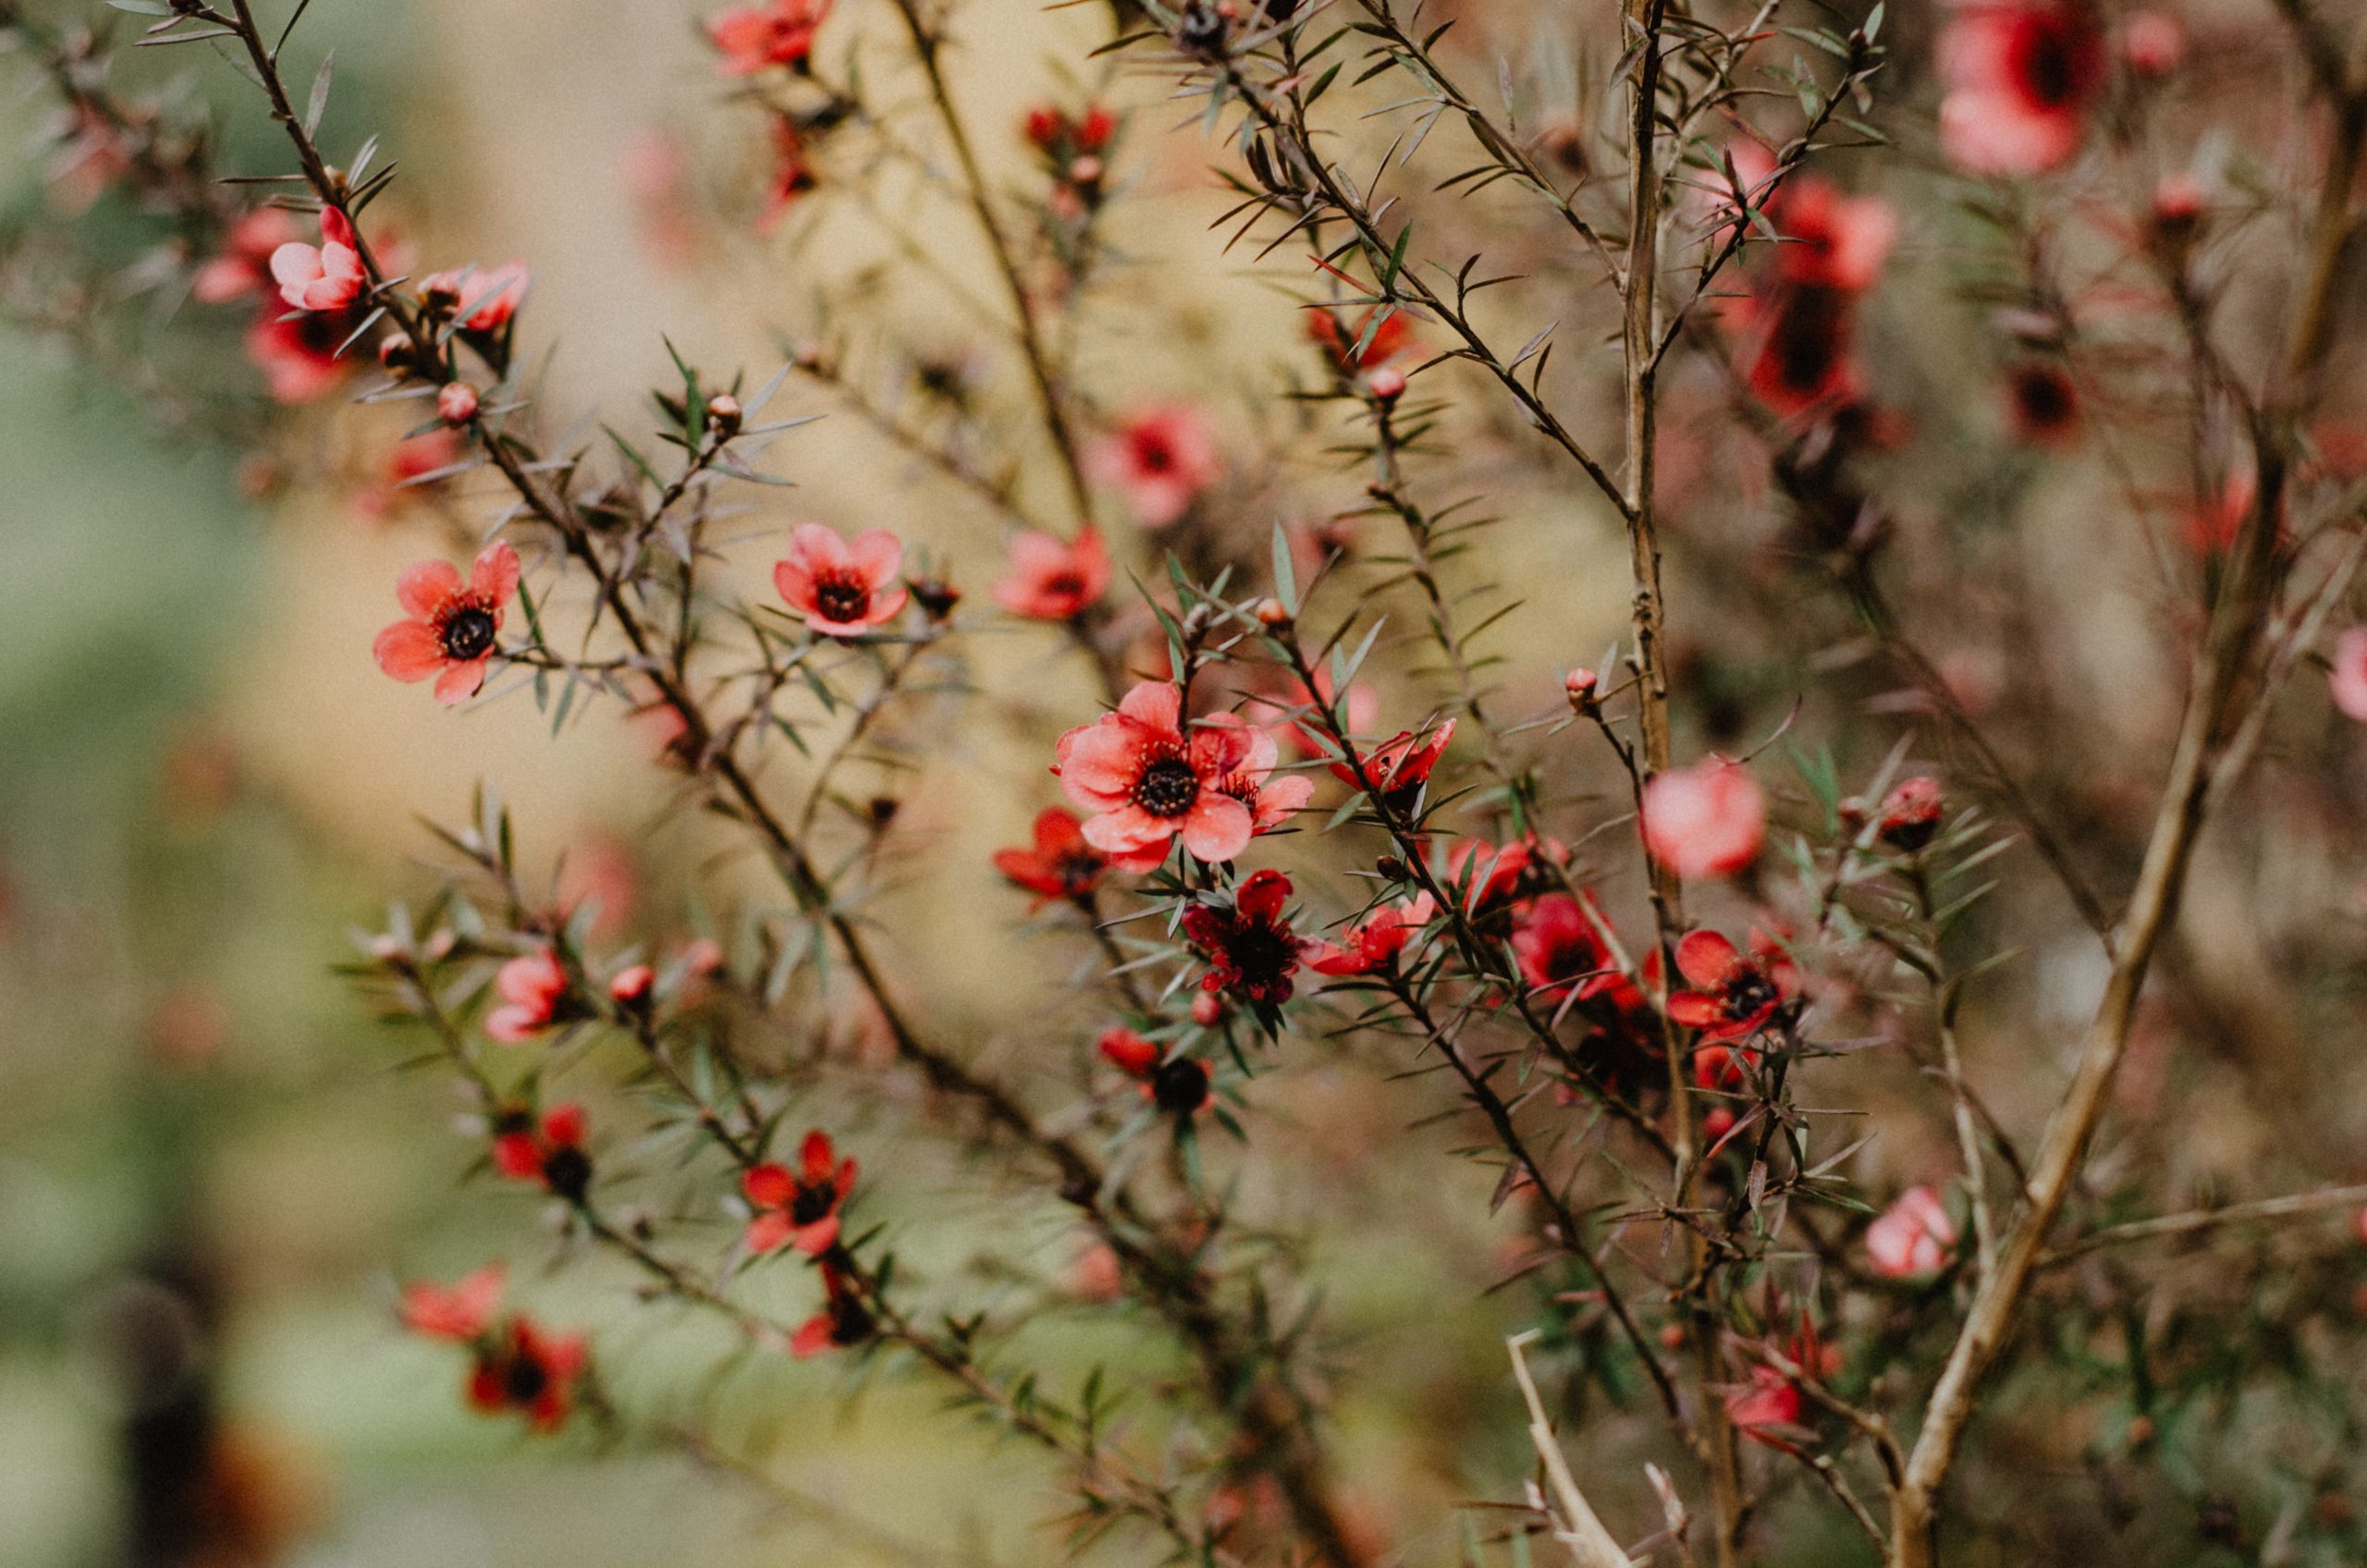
x=1271 y=615
x=1387 y=384
x=1579 y=687
x=1085 y=172
x=1206 y=1011
x=723 y=414
x=1910 y=814
x=935 y=596
x=631 y=986
x=456 y=404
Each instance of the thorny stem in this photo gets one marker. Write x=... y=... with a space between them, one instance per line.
x=2228 y=641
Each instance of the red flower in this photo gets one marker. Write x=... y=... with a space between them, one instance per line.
x=531 y=988
x=243 y=266
x=486 y=297
x=2347 y=682
x=1732 y=996
x=1052 y=579
x=1910 y=814
x=1401 y=765
x=1052 y=132
x=1772 y=1401
x=1250 y=948
x=551 y=1153
x=1799 y=354
x=1375 y=942
x=1159 y=459
x=844 y=1321
x=449 y=628
x=1061 y=865
x=324 y=277
x=799 y=1209
x=754 y=38
x=1179 y=1087
x=1271 y=805
x=1829 y=238
x=1148 y=783
x=1491 y=873
x=841 y=586
x=1912 y=1237
x=792 y=173
x=1707 y=820
x=461 y=1310
x=529 y=1370
x=1391 y=338
x=298 y=354
x=2020 y=76
x=1559 y=946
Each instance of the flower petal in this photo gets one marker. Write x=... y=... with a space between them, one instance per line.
x=422 y=589
x=407 y=651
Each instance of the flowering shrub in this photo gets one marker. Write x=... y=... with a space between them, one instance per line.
x=1785 y=1028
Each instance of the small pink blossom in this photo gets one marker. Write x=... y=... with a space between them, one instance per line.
x=530 y=990
x=324 y=277
x=841 y=586
x=1912 y=1237
x=1159 y=459
x=2021 y=75
x=1707 y=820
x=488 y=297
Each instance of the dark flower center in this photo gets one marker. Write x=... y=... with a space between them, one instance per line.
x=1155 y=455
x=849 y=1322
x=1079 y=871
x=2045 y=399
x=524 y=1379
x=1266 y=955
x=1064 y=585
x=566 y=1172
x=1749 y=993
x=467 y=633
x=1181 y=1086
x=1167 y=788
x=1809 y=335
x=2048 y=69
x=842 y=599
x=812 y=1202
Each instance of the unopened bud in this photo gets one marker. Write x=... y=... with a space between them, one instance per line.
x=1206 y=1011
x=1086 y=171
x=1271 y=615
x=936 y=595
x=1386 y=384
x=456 y=404
x=396 y=354
x=1579 y=687
x=631 y=986
x=1910 y=814
x=723 y=414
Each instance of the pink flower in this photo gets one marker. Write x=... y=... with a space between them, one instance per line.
x=486 y=297
x=1828 y=239
x=1706 y=820
x=243 y=267
x=298 y=354
x=1911 y=1237
x=2348 y=681
x=841 y=586
x=1400 y=765
x=754 y=38
x=449 y=628
x=1270 y=803
x=1146 y=783
x=1053 y=579
x=2020 y=76
x=1159 y=459
x=461 y=1310
x=531 y=989
x=328 y=277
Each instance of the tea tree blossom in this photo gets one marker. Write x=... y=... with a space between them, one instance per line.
x=1706 y=820
x=481 y=300
x=1178 y=1086
x=531 y=988
x=2021 y=76
x=799 y=1208
x=1912 y=1237
x=450 y=628
x=842 y=1323
x=243 y=266
x=749 y=39
x=843 y=587
x=1148 y=783
x=328 y=276
x=1059 y=865
x=1158 y=459
x=1251 y=950
x=1053 y=579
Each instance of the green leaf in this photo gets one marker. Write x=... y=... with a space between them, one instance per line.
x=320 y=99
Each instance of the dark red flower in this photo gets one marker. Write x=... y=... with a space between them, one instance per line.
x=1059 y=865
x=522 y=1367
x=1179 y=1085
x=1148 y=783
x=1401 y=765
x=1062 y=138
x=550 y=1152
x=799 y=1209
x=1732 y=996
x=1250 y=948
x=1375 y=942
x=844 y=1321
